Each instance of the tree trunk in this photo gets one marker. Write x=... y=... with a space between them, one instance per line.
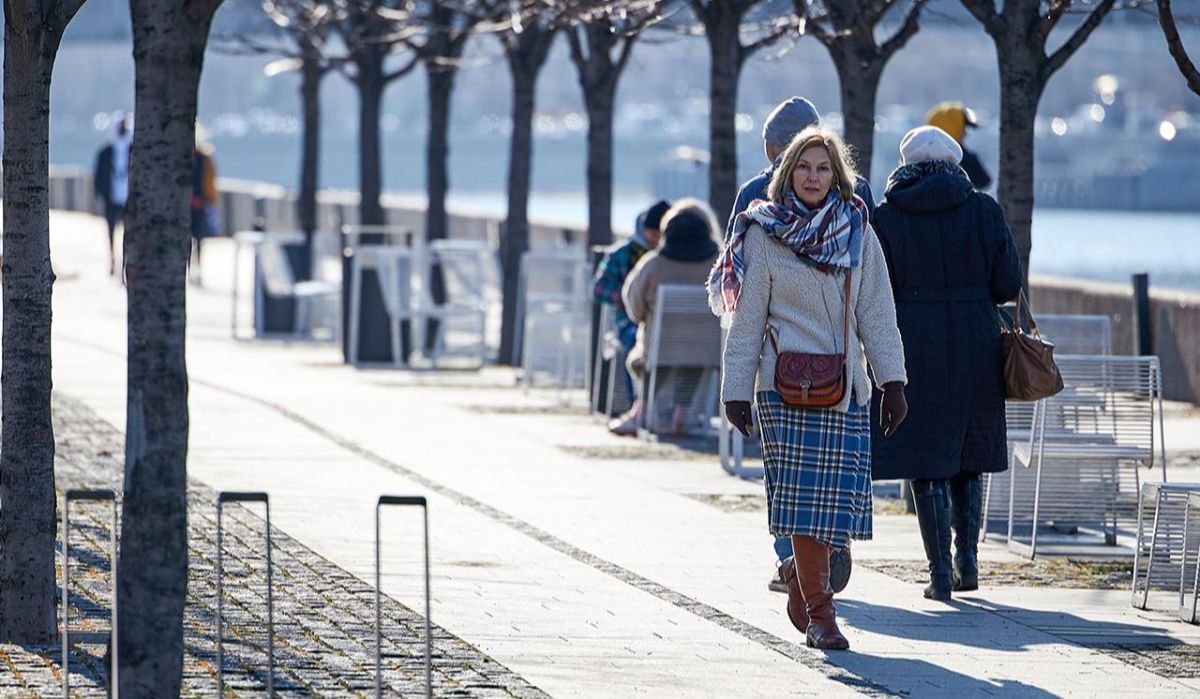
x=370 y=163
x=515 y=240
x=311 y=73
x=859 y=86
x=1020 y=92
x=27 y=524
x=724 y=71
x=437 y=149
x=599 y=103
x=168 y=52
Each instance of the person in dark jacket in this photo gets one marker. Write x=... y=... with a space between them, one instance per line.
x=952 y=260
x=955 y=119
x=111 y=180
x=610 y=277
x=789 y=118
x=203 y=203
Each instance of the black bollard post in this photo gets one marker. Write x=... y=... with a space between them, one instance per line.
x=1143 y=338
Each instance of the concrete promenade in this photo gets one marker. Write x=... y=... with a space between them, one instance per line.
x=584 y=574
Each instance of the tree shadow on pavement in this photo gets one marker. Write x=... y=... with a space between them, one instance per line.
x=920 y=678
x=1000 y=628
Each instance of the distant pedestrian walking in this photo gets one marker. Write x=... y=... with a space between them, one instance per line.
x=618 y=262
x=204 y=203
x=805 y=281
x=951 y=259
x=688 y=249
x=111 y=179
x=789 y=118
x=955 y=119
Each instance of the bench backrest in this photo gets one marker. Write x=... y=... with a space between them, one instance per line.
x=685 y=331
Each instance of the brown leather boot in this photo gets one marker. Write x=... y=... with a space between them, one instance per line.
x=812 y=566
x=795 y=606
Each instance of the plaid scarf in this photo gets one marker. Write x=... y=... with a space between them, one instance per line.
x=907 y=174
x=829 y=237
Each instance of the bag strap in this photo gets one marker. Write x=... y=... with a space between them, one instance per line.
x=1024 y=314
x=846 y=322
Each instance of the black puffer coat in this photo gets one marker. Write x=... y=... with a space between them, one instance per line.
x=952 y=260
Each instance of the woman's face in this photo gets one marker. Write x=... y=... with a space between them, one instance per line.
x=813 y=176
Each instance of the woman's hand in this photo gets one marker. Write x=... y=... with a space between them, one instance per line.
x=738 y=412
x=893 y=408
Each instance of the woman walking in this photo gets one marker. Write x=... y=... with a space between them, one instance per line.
x=951 y=260
x=806 y=283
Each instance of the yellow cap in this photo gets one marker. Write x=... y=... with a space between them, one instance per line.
x=950 y=117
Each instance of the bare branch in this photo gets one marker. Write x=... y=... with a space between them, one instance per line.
x=810 y=22
x=781 y=28
x=985 y=12
x=906 y=31
x=402 y=70
x=1166 y=20
x=626 y=52
x=1080 y=35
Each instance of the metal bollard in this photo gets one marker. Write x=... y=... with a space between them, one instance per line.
x=404 y=501
x=234 y=497
x=95 y=495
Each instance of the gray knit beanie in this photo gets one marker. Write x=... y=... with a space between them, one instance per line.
x=789 y=119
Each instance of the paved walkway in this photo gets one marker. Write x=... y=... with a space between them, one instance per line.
x=584 y=576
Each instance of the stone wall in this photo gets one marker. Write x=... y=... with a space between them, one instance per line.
x=1174 y=322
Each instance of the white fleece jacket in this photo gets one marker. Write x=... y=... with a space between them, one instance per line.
x=805 y=307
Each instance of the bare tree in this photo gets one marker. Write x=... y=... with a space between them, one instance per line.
x=32 y=32
x=601 y=35
x=527 y=40
x=441 y=31
x=1166 y=19
x=734 y=34
x=169 y=38
x=1020 y=30
x=308 y=24
x=374 y=32
x=847 y=30
x=301 y=45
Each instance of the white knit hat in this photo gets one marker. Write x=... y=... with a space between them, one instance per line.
x=929 y=143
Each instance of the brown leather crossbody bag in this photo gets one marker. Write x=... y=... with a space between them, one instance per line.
x=806 y=380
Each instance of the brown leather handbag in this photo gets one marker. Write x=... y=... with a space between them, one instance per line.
x=806 y=380
x=1029 y=369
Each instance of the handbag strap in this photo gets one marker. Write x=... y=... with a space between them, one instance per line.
x=845 y=327
x=1025 y=315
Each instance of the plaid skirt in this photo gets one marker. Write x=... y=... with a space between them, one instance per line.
x=818 y=470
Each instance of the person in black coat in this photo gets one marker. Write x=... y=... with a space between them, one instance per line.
x=111 y=181
x=952 y=260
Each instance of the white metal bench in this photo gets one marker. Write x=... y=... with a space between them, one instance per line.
x=552 y=318
x=1080 y=464
x=279 y=282
x=1189 y=586
x=470 y=273
x=1071 y=335
x=1162 y=540
x=684 y=335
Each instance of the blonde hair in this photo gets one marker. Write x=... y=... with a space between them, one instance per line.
x=839 y=158
x=693 y=206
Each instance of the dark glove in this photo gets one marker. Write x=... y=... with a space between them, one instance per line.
x=893 y=408
x=738 y=412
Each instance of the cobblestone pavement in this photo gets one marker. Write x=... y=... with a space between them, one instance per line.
x=324 y=617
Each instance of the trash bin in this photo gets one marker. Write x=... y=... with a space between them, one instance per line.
x=374 y=334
